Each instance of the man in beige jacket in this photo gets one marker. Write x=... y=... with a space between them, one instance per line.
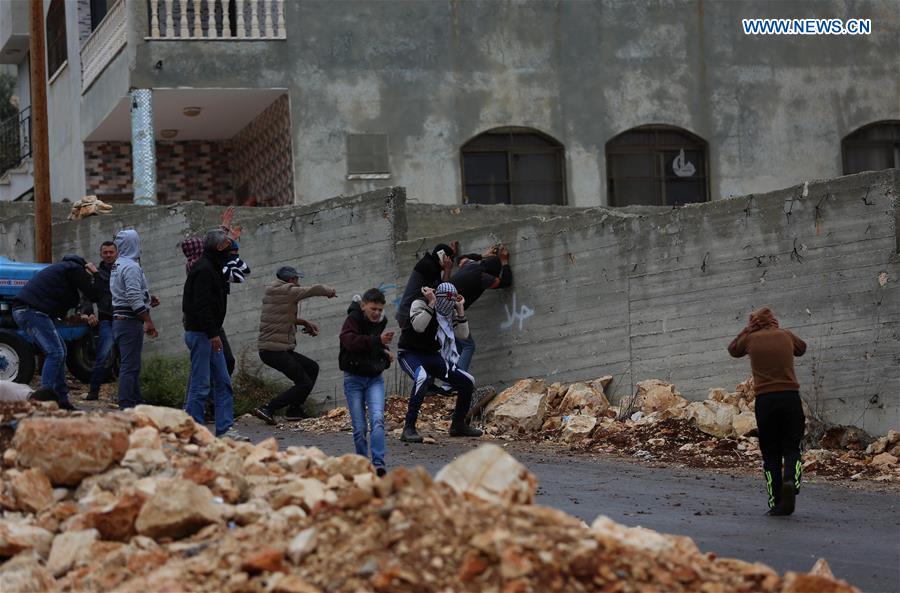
x=278 y=323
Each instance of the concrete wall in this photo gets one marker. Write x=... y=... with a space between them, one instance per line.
x=661 y=295
x=772 y=108
x=655 y=293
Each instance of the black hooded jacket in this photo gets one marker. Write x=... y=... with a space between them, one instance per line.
x=54 y=290
x=427 y=272
x=205 y=298
x=362 y=352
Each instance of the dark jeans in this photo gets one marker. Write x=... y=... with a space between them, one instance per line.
x=424 y=369
x=466 y=348
x=42 y=330
x=129 y=338
x=296 y=367
x=780 y=421
x=101 y=358
x=209 y=374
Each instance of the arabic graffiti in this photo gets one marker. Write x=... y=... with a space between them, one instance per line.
x=512 y=315
x=387 y=287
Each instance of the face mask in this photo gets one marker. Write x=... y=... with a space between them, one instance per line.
x=444 y=305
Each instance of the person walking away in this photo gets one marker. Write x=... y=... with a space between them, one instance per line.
x=476 y=274
x=102 y=320
x=278 y=323
x=204 y=305
x=49 y=296
x=427 y=351
x=364 y=355
x=779 y=411
x=429 y=271
x=131 y=303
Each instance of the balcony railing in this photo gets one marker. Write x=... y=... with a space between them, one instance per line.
x=216 y=19
x=105 y=42
x=15 y=140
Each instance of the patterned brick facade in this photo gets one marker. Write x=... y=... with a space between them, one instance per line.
x=254 y=167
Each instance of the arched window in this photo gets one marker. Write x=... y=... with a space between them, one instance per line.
x=656 y=165
x=872 y=148
x=513 y=166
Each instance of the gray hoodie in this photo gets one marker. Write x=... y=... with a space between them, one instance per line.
x=127 y=283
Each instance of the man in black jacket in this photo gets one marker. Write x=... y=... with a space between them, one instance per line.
x=204 y=304
x=103 y=319
x=47 y=297
x=476 y=274
x=429 y=271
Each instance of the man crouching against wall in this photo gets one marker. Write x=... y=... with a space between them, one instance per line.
x=204 y=304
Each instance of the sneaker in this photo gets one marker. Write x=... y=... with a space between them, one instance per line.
x=234 y=436
x=264 y=416
x=777 y=512
x=380 y=472
x=788 y=499
x=410 y=435
x=461 y=429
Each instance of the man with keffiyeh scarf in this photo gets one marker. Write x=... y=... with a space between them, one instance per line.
x=779 y=412
x=427 y=351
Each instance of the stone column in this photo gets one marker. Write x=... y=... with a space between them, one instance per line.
x=143 y=148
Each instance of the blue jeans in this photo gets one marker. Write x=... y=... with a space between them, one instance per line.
x=366 y=394
x=208 y=368
x=129 y=337
x=101 y=358
x=466 y=348
x=42 y=330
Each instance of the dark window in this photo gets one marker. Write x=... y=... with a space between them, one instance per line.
x=872 y=148
x=367 y=154
x=98 y=12
x=657 y=166
x=513 y=166
x=56 y=36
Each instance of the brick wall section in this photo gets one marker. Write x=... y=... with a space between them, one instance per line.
x=261 y=156
x=661 y=295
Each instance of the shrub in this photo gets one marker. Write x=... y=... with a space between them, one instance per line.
x=164 y=380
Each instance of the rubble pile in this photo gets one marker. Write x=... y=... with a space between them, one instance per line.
x=149 y=501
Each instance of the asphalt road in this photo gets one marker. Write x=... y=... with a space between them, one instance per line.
x=856 y=531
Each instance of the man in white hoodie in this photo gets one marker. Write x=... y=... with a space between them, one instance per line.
x=131 y=303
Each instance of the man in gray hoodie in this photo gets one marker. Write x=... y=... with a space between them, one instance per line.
x=131 y=303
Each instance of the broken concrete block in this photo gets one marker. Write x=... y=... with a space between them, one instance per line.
x=490 y=473
x=70 y=449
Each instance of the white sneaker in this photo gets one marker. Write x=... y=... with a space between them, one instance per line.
x=235 y=436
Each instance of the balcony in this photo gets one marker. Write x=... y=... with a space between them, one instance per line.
x=14 y=31
x=106 y=41
x=238 y=20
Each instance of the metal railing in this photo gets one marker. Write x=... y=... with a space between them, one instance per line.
x=15 y=140
x=216 y=19
x=105 y=42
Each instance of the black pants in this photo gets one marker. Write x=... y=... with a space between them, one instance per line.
x=424 y=369
x=296 y=367
x=780 y=420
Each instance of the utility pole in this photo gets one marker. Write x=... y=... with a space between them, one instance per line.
x=43 y=240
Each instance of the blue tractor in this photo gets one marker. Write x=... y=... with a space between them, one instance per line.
x=19 y=353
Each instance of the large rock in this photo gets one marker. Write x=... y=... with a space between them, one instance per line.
x=643 y=539
x=31 y=489
x=712 y=417
x=846 y=437
x=884 y=459
x=115 y=521
x=522 y=407
x=654 y=395
x=24 y=574
x=70 y=449
x=584 y=399
x=145 y=452
x=577 y=427
x=177 y=509
x=171 y=420
x=744 y=423
x=69 y=549
x=16 y=537
x=490 y=473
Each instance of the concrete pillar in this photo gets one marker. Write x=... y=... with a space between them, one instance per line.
x=143 y=148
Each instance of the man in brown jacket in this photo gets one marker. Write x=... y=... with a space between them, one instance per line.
x=278 y=323
x=779 y=412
